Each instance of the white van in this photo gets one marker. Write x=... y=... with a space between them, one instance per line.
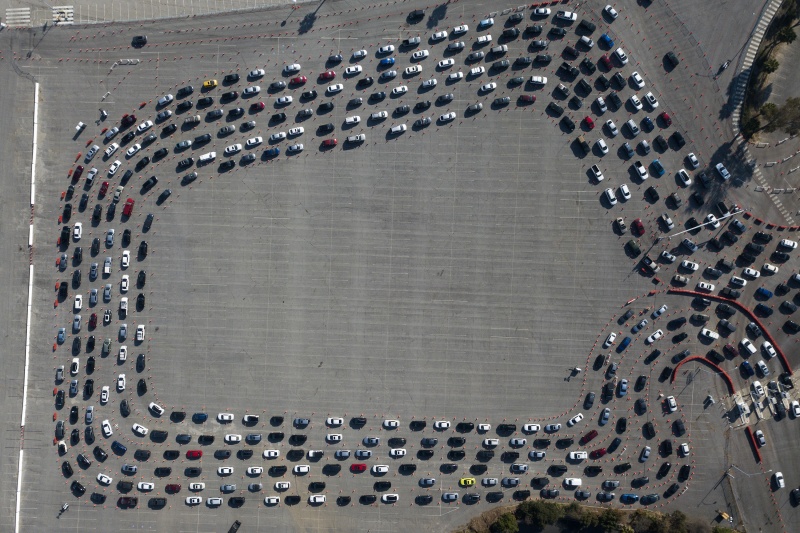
x=709 y=334
x=207 y=158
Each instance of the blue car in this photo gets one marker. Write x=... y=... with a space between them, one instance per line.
x=747 y=368
x=629 y=498
x=606 y=41
x=658 y=167
x=199 y=418
x=273 y=152
x=624 y=344
x=764 y=293
x=119 y=448
x=387 y=61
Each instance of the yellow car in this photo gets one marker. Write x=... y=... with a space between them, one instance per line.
x=209 y=84
x=467 y=481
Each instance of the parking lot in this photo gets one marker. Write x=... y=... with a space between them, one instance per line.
x=458 y=270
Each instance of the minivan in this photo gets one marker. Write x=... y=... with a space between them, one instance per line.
x=207 y=158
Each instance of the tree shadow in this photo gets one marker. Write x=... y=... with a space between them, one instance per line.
x=437 y=15
x=307 y=22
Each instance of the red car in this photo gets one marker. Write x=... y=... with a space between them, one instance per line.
x=128 y=209
x=358 y=467
x=328 y=75
x=78 y=172
x=93 y=320
x=597 y=454
x=194 y=454
x=637 y=227
x=589 y=122
x=589 y=436
x=299 y=80
x=257 y=106
x=104 y=188
x=173 y=488
x=666 y=118
x=528 y=98
x=729 y=350
x=127 y=120
x=329 y=142
x=606 y=61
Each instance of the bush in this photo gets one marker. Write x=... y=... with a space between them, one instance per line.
x=506 y=523
x=751 y=127
x=539 y=513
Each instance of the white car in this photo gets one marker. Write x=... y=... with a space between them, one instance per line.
x=621 y=55
x=271 y=454
x=121 y=382
x=772 y=269
x=611 y=12
x=104 y=479
x=104 y=392
x=693 y=160
x=107 y=428
x=539 y=80
x=301 y=469
x=567 y=15
x=535 y=455
x=78 y=302
x=455 y=76
x=786 y=243
x=625 y=191
x=645 y=455
x=277 y=136
x=552 y=428
x=458 y=30
x=689 y=265
x=416 y=69
x=380 y=115
x=144 y=126
x=91 y=153
x=254 y=470
x=573 y=482
x=665 y=218
x=660 y=311
x=233 y=438
x=747 y=345
x=294 y=132
x=683 y=449
x=351 y=71
x=359 y=54
x=294 y=67
x=668 y=256
x=224 y=471
x=610 y=196
x=133 y=149
x=612 y=128
x=759 y=436
x=253 y=89
x=575 y=419
x=397 y=452
x=637 y=80
x=736 y=281
x=400 y=90
x=672 y=405
x=578 y=456
x=197 y=486
x=111 y=150
x=541 y=11
x=124 y=283
x=651 y=100
x=446 y=63
x=126 y=258
x=491 y=443
x=684 y=178
x=795 y=408
x=214 y=502
x=441 y=425
x=488 y=87
x=232 y=149
x=194 y=500
x=530 y=428
x=272 y=500
x=388 y=49
x=723 y=172
x=751 y=273
x=291 y=149
x=145 y=486
x=380 y=469
x=610 y=340
x=420 y=54
x=641 y=170
x=601 y=105
x=703 y=286
x=429 y=83
x=477 y=71
x=601 y=144
x=779 y=482
x=140 y=332
x=355 y=119
x=712 y=221
x=255 y=141
x=391 y=423
x=655 y=336
x=283 y=485
x=447 y=117
x=257 y=73
x=333 y=437
x=769 y=349
x=335 y=88
x=483 y=39
x=140 y=430
x=285 y=100
x=225 y=417
x=334 y=422
x=316 y=499
x=635 y=102
x=77 y=231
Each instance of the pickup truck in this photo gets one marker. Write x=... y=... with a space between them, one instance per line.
x=192 y=120
x=107 y=266
x=413 y=41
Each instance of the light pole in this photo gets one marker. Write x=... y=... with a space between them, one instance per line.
x=700 y=226
x=727 y=472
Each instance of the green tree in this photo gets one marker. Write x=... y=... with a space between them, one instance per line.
x=785 y=117
x=785 y=35
x=770 y=65
x=610 y=519
x=505 y=523
x=750 y=127
x=539 y=513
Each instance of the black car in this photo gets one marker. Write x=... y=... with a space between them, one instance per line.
x=367 y=499
x=485 y=455
x=622 y=425
x=377 y=97
x=150 y=183
x=424 y=454
x=236 y=112
x=140 y=300
x=421 y=106
x=620 y=468
x=558 y=32
x=549 y=493
x=406 y=468
x=402 y=110
x=397 y=442
x=163 y=471
x=84 y=461
x=567 y=123
x=141 y=455
x=128 y=137
x=77 y=488
x=236 y=501
x=666 y=448
x=66 y=469
x=649 y=430
x=138 y=41
x=280 y=117
x=415 y=425
x=664 y=470
x=507 y=457
x=555 y=109
x=184 y=106
x=456 y=455
x=124 y=408
x=171 y=455
x=448 y=468
x=651 y=194
x=365 y=82
x=143 y=244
